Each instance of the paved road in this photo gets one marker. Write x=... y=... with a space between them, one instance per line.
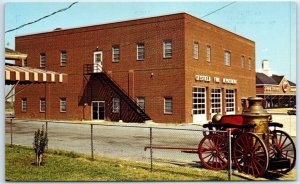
x=123 y=142
x=114 y=141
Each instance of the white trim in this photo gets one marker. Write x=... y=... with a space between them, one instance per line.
x=164 y=49
x=168 y=97
x=22 y=105
x=137 y=51
x=113 y=52
x=100 y=64
x=98 y=112
x=41 y=104
x=60 y=106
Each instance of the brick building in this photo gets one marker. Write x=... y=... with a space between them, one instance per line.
x=171 y=68
x=276 y=90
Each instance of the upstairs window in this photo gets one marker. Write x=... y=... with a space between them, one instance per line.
x=227 y=58
x=168 y=107
x=249 y=63
x=63 y=104
x=24 y=105
x=196 y=50
x=116 y=53
x=141 y=102
x=208 y=53
x=43 y=60
x=243 y=62
x=140 y=50
x=168 y=49
x=116 y=105
x=42 y=105
x=63 y=58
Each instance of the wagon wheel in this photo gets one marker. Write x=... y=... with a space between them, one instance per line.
x=282 y=147
x=212 y=151
x=250 y=154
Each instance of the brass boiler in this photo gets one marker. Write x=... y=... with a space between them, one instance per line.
x=256 y=114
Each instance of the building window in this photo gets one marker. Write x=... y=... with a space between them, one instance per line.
x=42 y=105
x=24 y=105
x=230 y=101
x=63 y=104
x=168 y=109
x=116 y=53
x=43 y=60
x=140 y=50
x=141 y=102
x=196 y=50
x=243 y=62
x=24 y=62
x=208 y=53
x=227 y=58
x=63 y=58
x=168 y=49
x=249 y=64
x=116 y=105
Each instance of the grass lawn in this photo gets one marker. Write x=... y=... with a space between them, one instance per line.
x=70 y=166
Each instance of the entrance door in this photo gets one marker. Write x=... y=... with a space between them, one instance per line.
x=216 y=101
x=230 y=101
x=98 y=110
x=199 y=105
x=98 y=62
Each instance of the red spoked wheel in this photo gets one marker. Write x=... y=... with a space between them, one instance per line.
x=212 y=151
x=250 y=154
x=282 y=147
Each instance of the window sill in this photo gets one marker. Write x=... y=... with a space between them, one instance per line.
x=140 y=59
x=115 y=61
x=167 y=57
x=62 y=111
x=168 y=113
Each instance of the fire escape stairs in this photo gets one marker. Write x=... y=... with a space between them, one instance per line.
x=93 y=70
x=123 y=95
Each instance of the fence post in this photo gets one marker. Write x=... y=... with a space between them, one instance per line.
x=92 y=144
x=47 y=127
x=11 y=132
x=229 y=156
x=151 y=151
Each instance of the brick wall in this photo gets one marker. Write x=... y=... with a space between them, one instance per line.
x=153 y=78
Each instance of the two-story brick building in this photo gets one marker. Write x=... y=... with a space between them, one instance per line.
x=177 y=68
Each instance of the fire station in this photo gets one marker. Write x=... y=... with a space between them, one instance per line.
x=171 y=69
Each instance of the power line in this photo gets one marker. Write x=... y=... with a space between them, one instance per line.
x=218 y=9
x=58 y=11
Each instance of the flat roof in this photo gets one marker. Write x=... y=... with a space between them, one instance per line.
x=130 y=22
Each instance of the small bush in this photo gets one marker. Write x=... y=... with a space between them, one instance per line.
x=40 y=144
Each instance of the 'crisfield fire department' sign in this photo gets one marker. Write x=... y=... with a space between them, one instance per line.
x=207 y=78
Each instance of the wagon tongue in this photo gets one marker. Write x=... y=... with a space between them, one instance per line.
x=281 y=163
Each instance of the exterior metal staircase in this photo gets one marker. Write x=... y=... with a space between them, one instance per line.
x=90 y=69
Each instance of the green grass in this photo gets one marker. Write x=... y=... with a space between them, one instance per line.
x=70 y=166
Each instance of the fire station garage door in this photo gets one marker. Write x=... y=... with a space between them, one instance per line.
x=230 y=101
x=199 y=105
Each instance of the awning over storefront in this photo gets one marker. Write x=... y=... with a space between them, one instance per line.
x=26 y=75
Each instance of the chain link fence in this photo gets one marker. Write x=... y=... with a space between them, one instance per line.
x=156 y=145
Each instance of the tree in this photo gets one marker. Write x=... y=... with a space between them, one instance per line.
x=40 y=144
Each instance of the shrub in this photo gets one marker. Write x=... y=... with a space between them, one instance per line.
x=40 y=144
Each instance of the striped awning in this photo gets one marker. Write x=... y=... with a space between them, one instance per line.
x=26 y=75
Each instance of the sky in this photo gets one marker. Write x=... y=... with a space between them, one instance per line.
x=272 y=25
